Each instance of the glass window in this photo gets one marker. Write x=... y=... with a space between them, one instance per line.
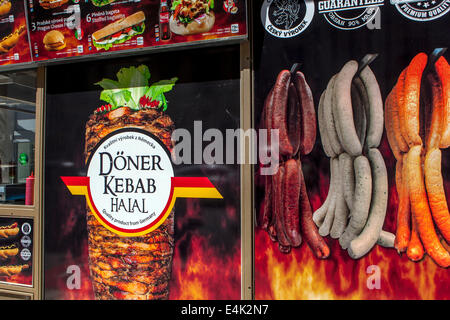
x=17 y=136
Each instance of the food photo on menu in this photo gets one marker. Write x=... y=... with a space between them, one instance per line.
x=192 y=16
x=119 y=31
x=14 y=46
x=112 y=25
x=196 y=20
x=51 y=4
x=55 y=29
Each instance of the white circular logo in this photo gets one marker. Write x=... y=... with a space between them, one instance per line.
x=26 y=228
x=348 y=15
x=25 y=241
x=422 y=10
x=25 y=254
x=130 y=175
x=287 y=18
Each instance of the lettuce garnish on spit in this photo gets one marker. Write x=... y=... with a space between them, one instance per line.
x=132 y=87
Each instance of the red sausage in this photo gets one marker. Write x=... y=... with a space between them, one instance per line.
x=307 y=225
x=277 y=204
x=294 y=119
x=267 y=203
x=308 y=114
x=292 y=188
x=279 y=111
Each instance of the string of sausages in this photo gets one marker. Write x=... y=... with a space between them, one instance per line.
x=417 y=123
x=286 y=211
x=350 y=116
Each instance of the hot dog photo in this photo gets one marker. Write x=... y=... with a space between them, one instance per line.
x=356 y=207
x=14 y=46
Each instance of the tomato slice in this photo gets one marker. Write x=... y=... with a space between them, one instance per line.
x=116 y=35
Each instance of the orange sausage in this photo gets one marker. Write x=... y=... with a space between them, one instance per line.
x=421 y=210
x=403 y=232
x=443 y=71
x=409 y=109
x=436 y=192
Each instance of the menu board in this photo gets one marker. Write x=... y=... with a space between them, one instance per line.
x=14 y=45
x=55 y=29
x=67 y=28
x=16 y=247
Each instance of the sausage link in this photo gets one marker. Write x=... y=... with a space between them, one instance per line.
x=325 y=228
x=375 y=104
x=323 y=130
x=365 y=241
x=278 y=194
x=348 y=178
x=343 y=106
x=328 y=117
x=291 y=204
x=279 y=111
x=294 y=119
x=361 y=203
x=307 y=226
x=341 y=211
x=319 y=214
x=308 y=114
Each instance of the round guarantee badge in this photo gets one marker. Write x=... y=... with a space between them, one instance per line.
x=348 y=15
x=287 y=18
x=422 y=10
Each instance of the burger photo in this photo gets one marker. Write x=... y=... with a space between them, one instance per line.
x=54 y=41
x=50 y=4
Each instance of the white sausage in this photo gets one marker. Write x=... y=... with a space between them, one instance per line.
x=324 y=229
x=365 y=241
x=329 y=120
x=375 y=115
x=344 y=113
x=323 y=130
x=361 y=203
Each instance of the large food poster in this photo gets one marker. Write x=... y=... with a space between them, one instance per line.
x=55 y=29
x=352 y=202
x=14 y=45
x=16 y=248
x=141 y=206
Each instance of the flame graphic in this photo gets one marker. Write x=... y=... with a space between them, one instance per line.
x=202 y=276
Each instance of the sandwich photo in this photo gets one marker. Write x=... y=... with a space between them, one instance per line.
x=101 y=3
x=5 y=7
x=50 y=4
x=119 y=31
x=54 y=41
x=192 y=16
x=10 y=41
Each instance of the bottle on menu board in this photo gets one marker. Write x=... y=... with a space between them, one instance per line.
x=164 y=15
